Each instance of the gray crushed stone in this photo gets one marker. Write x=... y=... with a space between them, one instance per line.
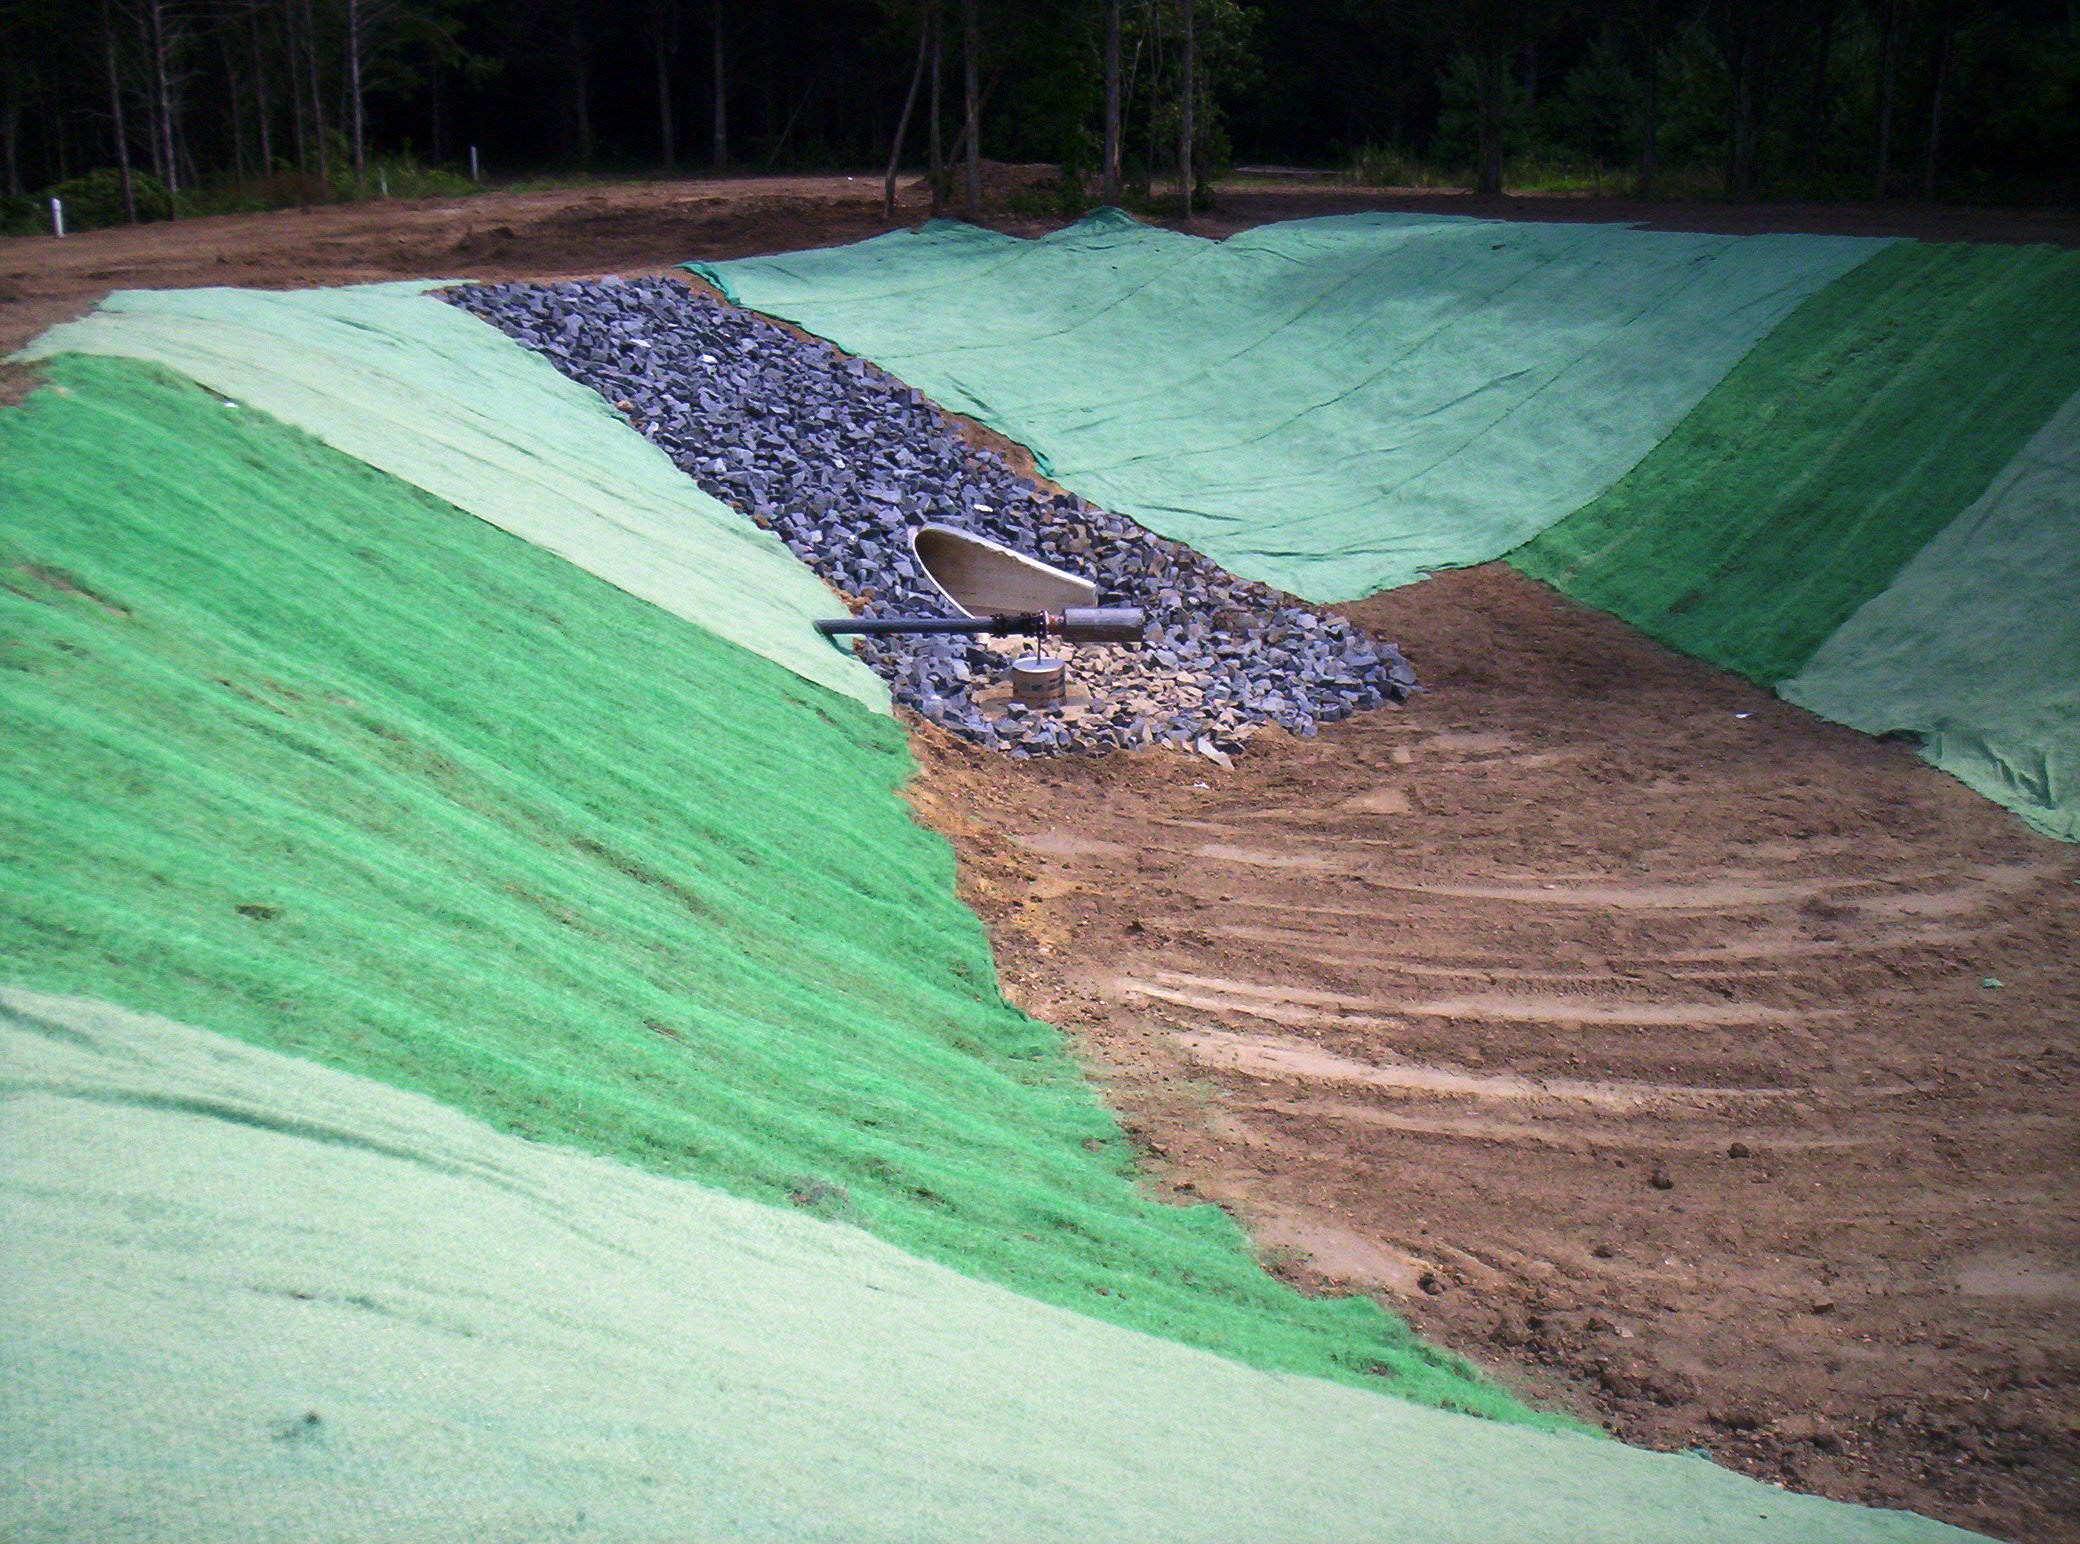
x=843 y=462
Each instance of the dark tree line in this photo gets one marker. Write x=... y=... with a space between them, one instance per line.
x=160 y=107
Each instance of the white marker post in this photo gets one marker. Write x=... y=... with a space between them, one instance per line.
x=58 y=218
x=473 y=177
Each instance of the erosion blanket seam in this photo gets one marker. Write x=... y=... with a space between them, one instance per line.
x=1829 y=456
x=297 y=752
x=305 y=1303
x=393 y=377
x=1975 y=646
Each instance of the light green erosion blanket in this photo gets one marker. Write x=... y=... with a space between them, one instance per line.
x=295 y=751
x=1333 y=406
x=1976 y=645
x=248 y=1297
x=408 y=383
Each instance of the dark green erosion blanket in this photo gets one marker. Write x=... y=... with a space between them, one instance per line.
x=298 y=753
x=1829 y=456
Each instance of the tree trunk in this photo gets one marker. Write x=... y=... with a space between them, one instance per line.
x=787 y=131
x=115 y=109
x=1888 y=69
x=1650 y=110
x=260 y=104
x=296 y=116
x=1946 y=32
x=1494 y=98
x=11 y=129
x=54 y=154
x=162 y=87
x=661 y=26
x=153 y=145
x=937 y=157
x=1816 y=102
x=1184 y=127
x=971 y=191
x=436 y=112
x=1111 y=173
x=355 y=39
x=317 y=95
x=722 y=98
x=11 y=133
x=236 y=98
x=895 y=151
x=1741 y=162
x=581 y=86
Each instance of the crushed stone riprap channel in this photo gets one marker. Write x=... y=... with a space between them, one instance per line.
x=843 y=463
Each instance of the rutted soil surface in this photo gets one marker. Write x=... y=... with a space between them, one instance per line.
x=1629 y=1030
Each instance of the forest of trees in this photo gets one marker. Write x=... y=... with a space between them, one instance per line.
x=156 y=108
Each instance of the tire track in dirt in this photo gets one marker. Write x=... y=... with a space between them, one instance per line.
x=1619 y=1024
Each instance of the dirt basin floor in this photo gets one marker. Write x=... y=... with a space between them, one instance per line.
x=1627 y=1029
x=1635 y=1048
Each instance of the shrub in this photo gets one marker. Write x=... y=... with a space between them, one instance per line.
x=1389 y=166
x=96 y=200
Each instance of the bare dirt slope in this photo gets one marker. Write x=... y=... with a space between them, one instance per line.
x=1628 y=1029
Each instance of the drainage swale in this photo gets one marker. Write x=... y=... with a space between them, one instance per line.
x=846 y=464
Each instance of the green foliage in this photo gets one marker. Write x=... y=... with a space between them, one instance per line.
x=1388 y=166
x=297 y=753
x=404 y=176
x=1595 y=116
x=1457 y=143
x=1696 y=95
x=392 y=176
x=19 y=215
x=92 y=202
x=1065 y=198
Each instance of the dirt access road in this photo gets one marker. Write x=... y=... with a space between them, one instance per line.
x=1636 y=1048
x=642 y=227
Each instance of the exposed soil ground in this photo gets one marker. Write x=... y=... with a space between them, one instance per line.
x=647 y=226
x=1637 y=1048
x=1626 y=1028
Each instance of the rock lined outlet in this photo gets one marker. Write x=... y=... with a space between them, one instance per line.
x=843 y=462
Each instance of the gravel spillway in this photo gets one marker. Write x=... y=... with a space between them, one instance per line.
x=843 y=463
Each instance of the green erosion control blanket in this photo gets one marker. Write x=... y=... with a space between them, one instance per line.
x=249 y=1297
x=1830 y=456
x=295 y=751
x=408 y=383
x=1332 y=406
x=1976 y=646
